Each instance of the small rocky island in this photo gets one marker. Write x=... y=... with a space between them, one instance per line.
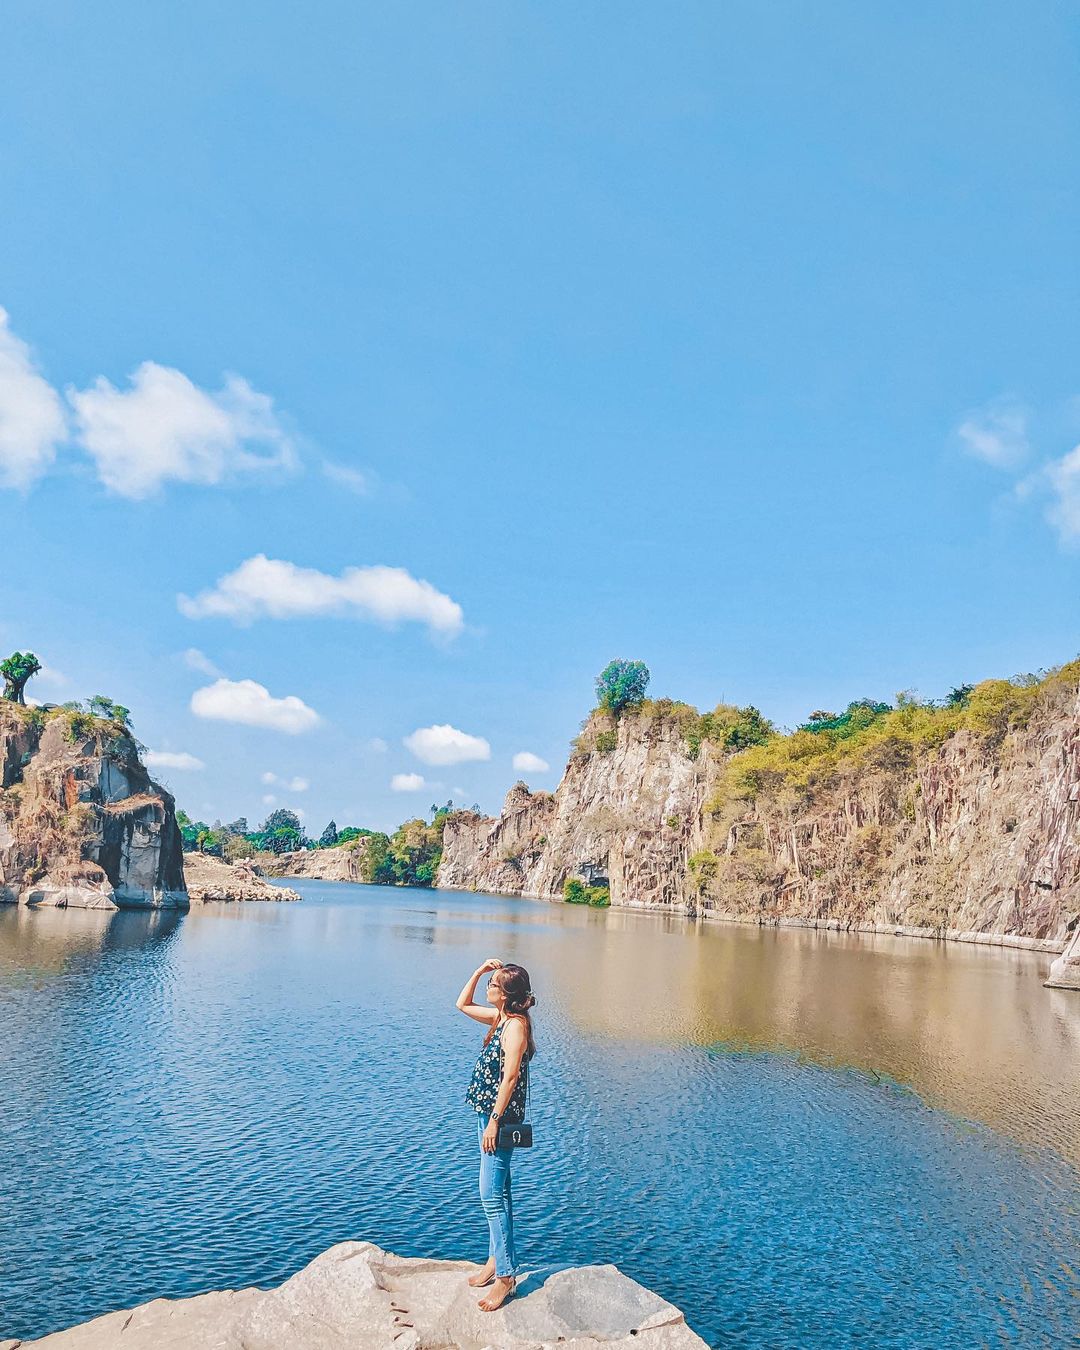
x=81 y=822
x=358 y=1297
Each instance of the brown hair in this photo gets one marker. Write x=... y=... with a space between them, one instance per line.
x=515 y=983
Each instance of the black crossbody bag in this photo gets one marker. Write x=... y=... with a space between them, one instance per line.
x=519 y=1135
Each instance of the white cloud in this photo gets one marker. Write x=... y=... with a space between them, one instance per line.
x=297 y=784
x=997 y=434
x=1063 y=476
x=345 y=477
x=51 y=676
x=378 y=746
x=446 y=745
x=253 y=705
x=165 y=427
x=197 y=660
x=407 y=782
x=526 y=762
x=272 y=588
x=269 y=799
x=172 y=759
x=32 y=420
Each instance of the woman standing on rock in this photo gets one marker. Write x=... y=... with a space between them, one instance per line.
x=497 y=1092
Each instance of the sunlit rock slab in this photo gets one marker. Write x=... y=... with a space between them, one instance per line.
x=358 y=1297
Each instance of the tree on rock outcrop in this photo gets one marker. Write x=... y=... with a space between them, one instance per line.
x=329 y=836
x=282 y=832
x=622 y=684
x=16 y=670
x=100 y=706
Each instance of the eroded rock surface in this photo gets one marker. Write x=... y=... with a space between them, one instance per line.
x=341 y=863
x=1065 y=971
x=358 y=1297
x=978 y=839
x=81 y=822
x=211 y=879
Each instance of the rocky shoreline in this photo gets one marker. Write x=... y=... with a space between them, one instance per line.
x=212 y=879
x=356 y=1296
x=976 y=839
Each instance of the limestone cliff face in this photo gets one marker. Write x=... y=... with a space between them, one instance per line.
x=341 y=863
x=624 y=816
x=978 y=838
x=81 y=823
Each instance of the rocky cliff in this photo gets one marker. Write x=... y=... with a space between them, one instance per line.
x=975 y=836
x=81 y=822
x=624 y=816
x=211 y=879
x=341 y=863
x=358 y=1297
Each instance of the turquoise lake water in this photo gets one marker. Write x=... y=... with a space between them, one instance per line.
x=802 y=1140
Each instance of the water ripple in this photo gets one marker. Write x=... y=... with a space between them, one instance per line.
x=740 y=1123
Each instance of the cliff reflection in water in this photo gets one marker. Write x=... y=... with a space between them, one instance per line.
x=36 y=944
x=971 y=1029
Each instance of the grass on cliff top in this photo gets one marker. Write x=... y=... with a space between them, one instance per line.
x=869 y=735
x=891 y=740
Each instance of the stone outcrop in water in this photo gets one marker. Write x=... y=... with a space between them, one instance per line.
x=978 y=838
x=81 y=822
x=358 y=1297
x=1065 y=971
x=340 y=863
x=210 y=878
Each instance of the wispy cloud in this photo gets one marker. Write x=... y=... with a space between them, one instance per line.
x=161 y=428
x=997 y=434
x=296 y=784
x=252 y=704
x=32 y=422
x=1063 y=479
x=446 y=745
x=344 y=476
x=165 y=428
x=407 y=782
x=272 y=588
x=172 y=759
x=197 y=660
x=526 y=762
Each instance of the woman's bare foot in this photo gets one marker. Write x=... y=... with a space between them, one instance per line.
x=504 y=1287
x=484 y=1276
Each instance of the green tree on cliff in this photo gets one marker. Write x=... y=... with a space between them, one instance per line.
x=329 y=836
x=282 y=832
x=622 y=684
x=100 y=706
x=16 y=670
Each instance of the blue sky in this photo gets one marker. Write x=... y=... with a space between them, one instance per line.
x=740 y=339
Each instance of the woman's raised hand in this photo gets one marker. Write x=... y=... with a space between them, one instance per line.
x=492 y=963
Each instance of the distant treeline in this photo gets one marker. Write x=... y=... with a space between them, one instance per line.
x=408 y=857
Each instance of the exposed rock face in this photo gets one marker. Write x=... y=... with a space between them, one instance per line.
x=358 y=1297
x=978 y=839
x=212 y=879
x=1065 y=972
x=621 y=817
x=81 y=823
x=318 y=864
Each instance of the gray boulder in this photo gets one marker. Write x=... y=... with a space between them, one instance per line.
x=358 y=1297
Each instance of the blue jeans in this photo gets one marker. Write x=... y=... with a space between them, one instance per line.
x=497 y=1201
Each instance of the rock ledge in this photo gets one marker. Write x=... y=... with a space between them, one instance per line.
x=359 y=1297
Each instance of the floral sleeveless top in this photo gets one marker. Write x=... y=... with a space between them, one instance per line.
x=487 y=1075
